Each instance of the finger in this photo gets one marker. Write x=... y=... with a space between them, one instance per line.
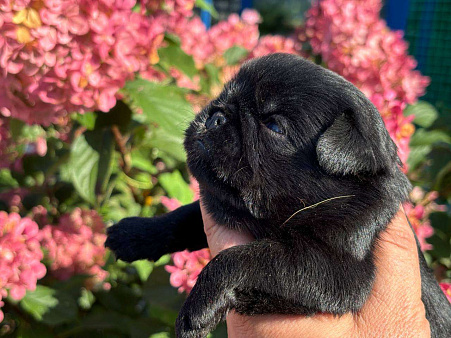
x=395 y=302
x=219 y=237
x=397 y=263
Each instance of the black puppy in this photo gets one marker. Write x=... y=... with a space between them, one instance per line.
x=298 y=157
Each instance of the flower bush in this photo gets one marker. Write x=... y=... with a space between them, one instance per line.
x=20 y=256
x=76 y=245
x=94 y=100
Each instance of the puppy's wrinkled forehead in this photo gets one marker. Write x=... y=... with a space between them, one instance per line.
x=288 y=84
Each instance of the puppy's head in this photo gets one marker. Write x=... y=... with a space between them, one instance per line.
x=286 y=133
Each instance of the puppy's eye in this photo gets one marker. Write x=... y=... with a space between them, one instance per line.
x=271 y=124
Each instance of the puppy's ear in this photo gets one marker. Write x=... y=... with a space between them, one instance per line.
x=357 y=142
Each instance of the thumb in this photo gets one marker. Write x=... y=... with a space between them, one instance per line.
x=219 y=237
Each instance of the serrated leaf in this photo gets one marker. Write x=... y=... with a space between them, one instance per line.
x=174 y=56
x=424 y=137
x=425 y=113
x=176 y=187
x=169 y=143
x=143 y=268
x=83 y=166
x=90 y=163
x=49 y=306
x=235 y=54
x=166 y=107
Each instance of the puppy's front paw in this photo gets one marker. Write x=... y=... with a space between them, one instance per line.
x=206 y=306
x=135 y=238
x=194 y=321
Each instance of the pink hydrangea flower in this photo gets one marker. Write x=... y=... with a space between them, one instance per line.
x=354 y=42
x=76 y=246
x=209 y=46
x=170 y=203
x=276 y=44
x=59 y=57
x=446 y=288
x=20 y=256
x=14 y=197
x=418 y=210
x=187 y=267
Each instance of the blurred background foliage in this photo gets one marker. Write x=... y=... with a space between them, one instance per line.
x=91 y=130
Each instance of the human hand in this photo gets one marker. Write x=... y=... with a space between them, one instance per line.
x=394 y=308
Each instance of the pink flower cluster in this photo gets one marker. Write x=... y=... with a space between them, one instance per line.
x=20 y=256
x=187 y=267
x=446 y=288
x=76 y=246
x=354 y=42
x=209 y=46
x=276 y=44
x=418 y=211
x=175 y=8
x=61 y=56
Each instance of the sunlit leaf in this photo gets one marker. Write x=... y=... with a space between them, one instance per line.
x=176 y=187
x=425 y=113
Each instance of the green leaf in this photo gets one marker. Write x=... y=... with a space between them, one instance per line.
x=16 y=127
x=6 y=180
x=90 y=163
x=169 y=143
x=83 y=166
x=425 y=113
x=441 y=221
x=164 y=106
x=202 y=4
x=441 y=246
x=163 y=260
x=144 y=269
x=160 y=335
x=86 y=299
x=140 y=160
x=235 y=54
x=417 y=156
x=87 y=120
x=121 y=203
x=122 y=298
x=174 y=56
x=423 y=137
x=49 y=306
x=176 y=187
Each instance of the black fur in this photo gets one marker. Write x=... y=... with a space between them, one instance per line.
x=334 y=147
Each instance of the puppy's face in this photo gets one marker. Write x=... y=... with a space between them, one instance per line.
x=286 y=133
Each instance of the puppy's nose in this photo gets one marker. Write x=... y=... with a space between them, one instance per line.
x=215 y=120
